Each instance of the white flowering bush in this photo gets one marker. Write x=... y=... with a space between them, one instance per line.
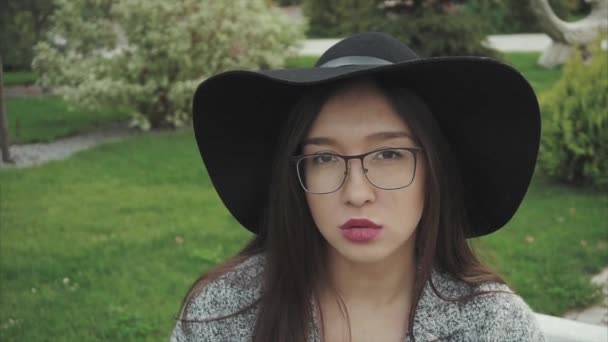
x=148 y=56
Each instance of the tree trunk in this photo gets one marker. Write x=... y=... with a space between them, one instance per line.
x=6 y=156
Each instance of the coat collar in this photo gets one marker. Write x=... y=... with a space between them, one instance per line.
x=437 y=319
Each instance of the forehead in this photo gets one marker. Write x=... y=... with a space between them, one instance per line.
x=355 y=111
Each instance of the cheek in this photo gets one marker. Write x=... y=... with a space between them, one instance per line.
x=405 y=207
x=322 y=209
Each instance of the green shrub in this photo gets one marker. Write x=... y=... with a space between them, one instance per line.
x=516 y=16
x=338 y=18
x=574 y=144
x=22 y=24
x=288 y=2
x=431 y=33
x=148 y=56
x=429 y=27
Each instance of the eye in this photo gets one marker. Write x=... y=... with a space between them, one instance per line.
x=389 y=154
x=324 y=159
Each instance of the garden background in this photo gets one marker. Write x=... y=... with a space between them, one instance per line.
x=104 y=244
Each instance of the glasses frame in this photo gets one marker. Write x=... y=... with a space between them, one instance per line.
x=297 y=159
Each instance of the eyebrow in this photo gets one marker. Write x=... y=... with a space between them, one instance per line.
x=379 y=136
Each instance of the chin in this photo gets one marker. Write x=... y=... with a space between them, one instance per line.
x=363 y=254
x=375 y=251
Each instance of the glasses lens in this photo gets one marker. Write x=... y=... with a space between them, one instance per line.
x=321 y=173
x=390 y=168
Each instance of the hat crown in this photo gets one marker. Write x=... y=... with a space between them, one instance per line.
x=476 y=114
x=372 y=44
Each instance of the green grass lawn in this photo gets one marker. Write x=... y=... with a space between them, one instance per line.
x=46 y=118
x=13 y=78
x=103 y=246
x=542 y=79
x=110 y=221
x=301 y=61
x=553 y=245
x=91 y=250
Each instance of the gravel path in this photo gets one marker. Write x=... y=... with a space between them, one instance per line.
x=28 y=155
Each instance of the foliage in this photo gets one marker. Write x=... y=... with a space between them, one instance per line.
x=338 y=18
x=516 y=16
x=569 y=9
x=22 y=24
x=575 y=138
x=147 y=57
x=431 y=33
x=288 y=2
x=431 y=28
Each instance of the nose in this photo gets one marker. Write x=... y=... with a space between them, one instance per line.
x=357 y=190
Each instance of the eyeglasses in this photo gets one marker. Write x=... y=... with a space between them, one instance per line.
x=387 y=169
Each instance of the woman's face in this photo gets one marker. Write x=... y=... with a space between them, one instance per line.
x=351 y=120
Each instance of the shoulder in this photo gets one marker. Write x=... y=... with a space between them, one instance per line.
x=500 y=315
x=230 y=292
x=227 y=295
x=451 y=308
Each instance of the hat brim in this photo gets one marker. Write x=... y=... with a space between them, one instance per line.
x=486 y=109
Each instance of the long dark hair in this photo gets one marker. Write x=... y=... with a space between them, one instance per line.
x=295 y=251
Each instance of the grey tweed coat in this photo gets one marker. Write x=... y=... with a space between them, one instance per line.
x=491 y=317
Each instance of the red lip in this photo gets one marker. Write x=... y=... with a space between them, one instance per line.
x=359 y=223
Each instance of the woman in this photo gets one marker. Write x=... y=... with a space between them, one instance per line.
x=362 y=178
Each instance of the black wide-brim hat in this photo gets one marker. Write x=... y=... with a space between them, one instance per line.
x=486 y=109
